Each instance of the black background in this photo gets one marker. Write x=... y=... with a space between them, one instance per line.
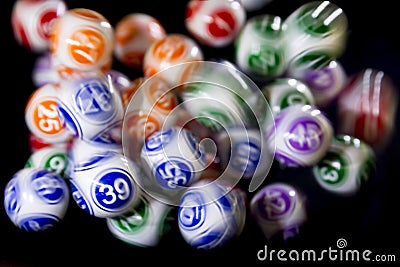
x=368 y=221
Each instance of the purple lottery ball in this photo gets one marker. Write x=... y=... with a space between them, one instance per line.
x=279 y=210
x=302 y=135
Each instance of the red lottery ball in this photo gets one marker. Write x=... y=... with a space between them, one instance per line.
x=32 y=21
x=367 y=108
x=215 y=23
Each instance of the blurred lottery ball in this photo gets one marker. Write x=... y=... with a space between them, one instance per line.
x=326 y=78
x=104 y=186
x=42 y=117
x=170 y=51
x=302 y=135
x=209 y=215
x=284 y=92
x=243 y=153
x=150 y=108
x=367 y=108
x=134 y=33
x=90 y=107
x=348 y=164
x=279 y=210
x=259 y=48
x=53 y=158
x=32 y=21
x=316 y=27
x=214 y=23
x=145 y=224
x=36 y=199
x=173 y=159
x=82 y=40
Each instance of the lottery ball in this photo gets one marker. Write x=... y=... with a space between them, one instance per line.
x=243 y=153
x=315 y=28
x=53 y=158
x=144 y=225
x=283 y=92
x=32 y=21
x=302 y=135
x=134 y=33
x=36 y=199
x=347 y=165
x=82 y=40
x=90 y=108
x=173 y=159
x=219 y=96
x=42 y=117
x=214 y=23
x=259 y=50
x=104 y=186
x=155 y=99
x=326 y=78
x=279 y=209
x=367 y=108
x=172 y=50
x=211 y=214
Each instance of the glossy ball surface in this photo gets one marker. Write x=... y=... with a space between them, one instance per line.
x=36 y=199
x=104 y=186
x=82 y=40
x=303 y=135
x=214 y=23
x=279 y=209
x=173 y=159
x=210 y=216
x=348 y=164
x=134 y=33
x=32 y=21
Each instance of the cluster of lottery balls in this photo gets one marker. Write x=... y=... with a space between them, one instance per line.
x=187 y=132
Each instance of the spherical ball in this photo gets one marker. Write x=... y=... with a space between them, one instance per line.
x=134 y=33
x=104 y=186
x=36 y=199
x=214 y=23
x=243 y=153
x=302 y=135
x=283 y=92
x=347 y=166
x=42 y=117
x=82 y=40
x=32 y=22
x=170 y=51
x=53 y=158
x=211 y=214
x=316 y=27
x=173 y=159
x=90 y=108
x=326 y=78
x=367 y=108
x=259 y=48
x=279 y=209
x=150 y=107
